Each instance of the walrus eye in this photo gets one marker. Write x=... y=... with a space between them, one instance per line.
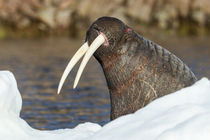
x=128 y=30
x=84 y=49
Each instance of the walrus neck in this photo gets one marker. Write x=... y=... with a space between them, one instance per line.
x=141 y=71
x=120 y=71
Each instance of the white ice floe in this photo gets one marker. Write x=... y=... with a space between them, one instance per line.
x=183 y=115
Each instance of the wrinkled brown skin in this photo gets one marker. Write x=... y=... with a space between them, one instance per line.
x=137 y=70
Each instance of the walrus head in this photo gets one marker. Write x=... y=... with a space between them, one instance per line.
x=111 y=29
x=101 y=40
x=137 y=70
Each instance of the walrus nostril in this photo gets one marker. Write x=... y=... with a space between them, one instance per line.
x=95 y=27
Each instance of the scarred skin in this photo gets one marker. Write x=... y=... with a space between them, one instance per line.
x=137 y=70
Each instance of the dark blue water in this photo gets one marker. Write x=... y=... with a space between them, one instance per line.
x=39 y=63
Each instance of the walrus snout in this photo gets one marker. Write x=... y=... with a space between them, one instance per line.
x=112 y=28
x=92 y=34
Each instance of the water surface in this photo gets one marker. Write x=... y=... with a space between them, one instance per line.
x=39 y=63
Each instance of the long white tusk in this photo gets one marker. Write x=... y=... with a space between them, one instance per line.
x=82 y=50
x=93 y=47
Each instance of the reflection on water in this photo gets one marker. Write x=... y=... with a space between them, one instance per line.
x=39 y=64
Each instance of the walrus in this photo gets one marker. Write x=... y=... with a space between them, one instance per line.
x=137 y=70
